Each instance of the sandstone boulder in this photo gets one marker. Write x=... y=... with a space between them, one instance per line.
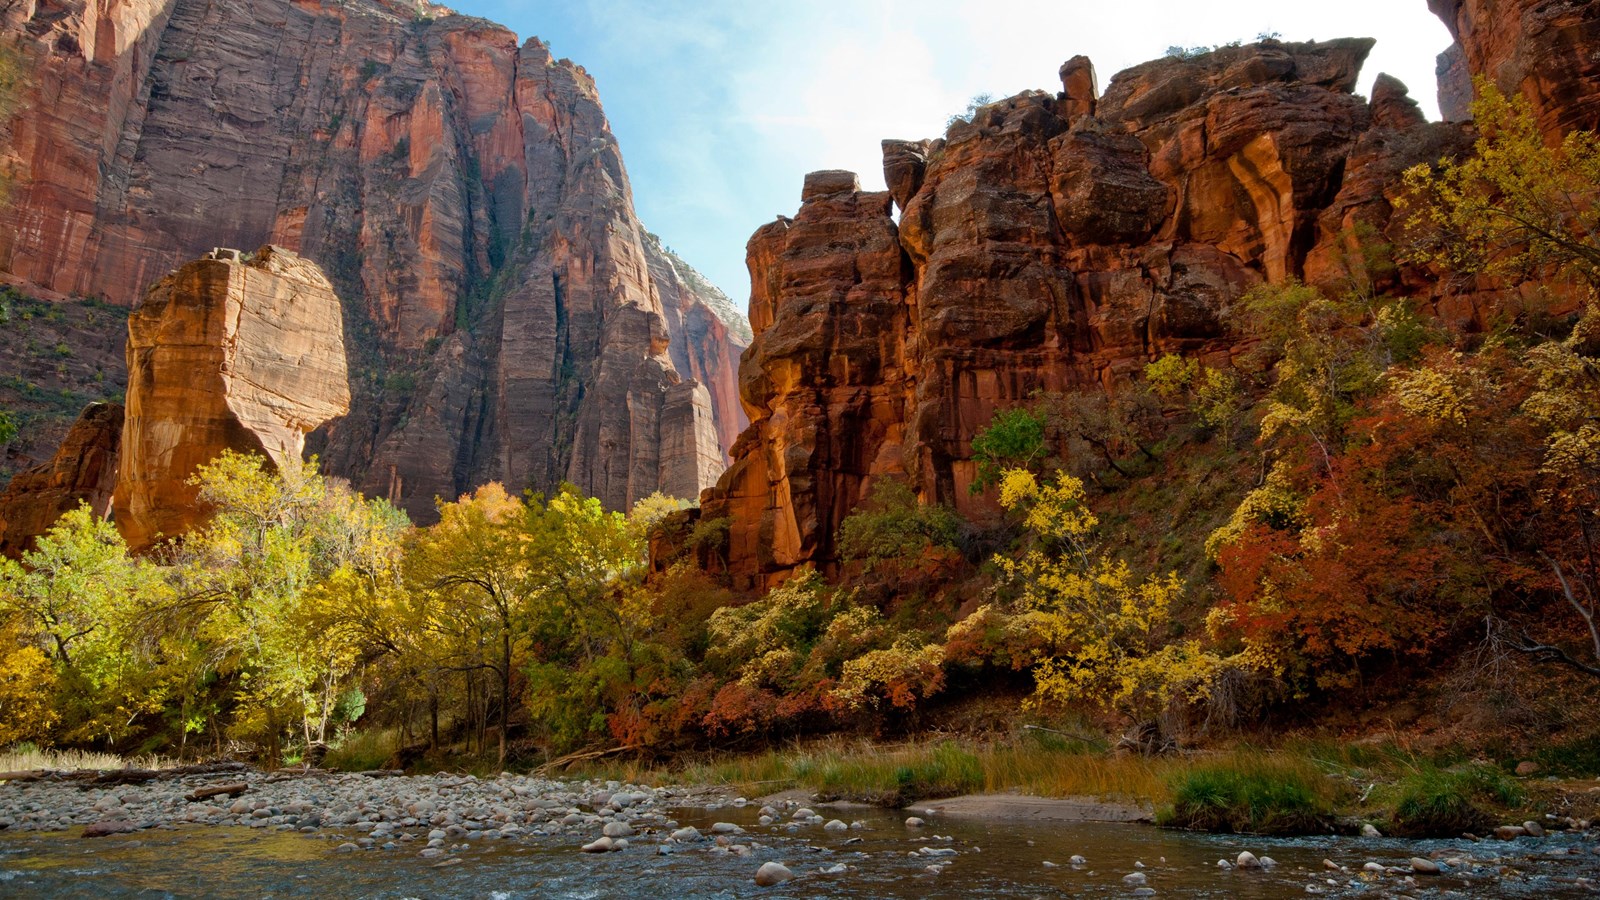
x=224 y=354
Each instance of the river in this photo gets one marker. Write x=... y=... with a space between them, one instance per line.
x=882 y=858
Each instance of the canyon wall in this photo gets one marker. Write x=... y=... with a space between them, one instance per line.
x=507 y=316
x=1063 y=240
x=84 y=470
x=1548 y=51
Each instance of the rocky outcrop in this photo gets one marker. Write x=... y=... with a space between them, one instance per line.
x=1053 y=242
x=463 y=193
x=224 y=354
x=1545 y=50
x=84 y=470
x=824 y=382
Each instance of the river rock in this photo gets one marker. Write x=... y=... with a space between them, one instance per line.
x=1247 y=860
x=618 y=829
x=1510 y=832
x=1424 y=866
x=600 y=845
x=772 y=873
x=914 y=822
x=687 y=834
x=1534 y=829
x=836 y=825
x=110 y=826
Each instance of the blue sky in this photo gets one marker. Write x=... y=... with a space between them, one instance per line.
x=721 y=107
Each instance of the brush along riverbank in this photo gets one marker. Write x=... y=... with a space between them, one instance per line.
x=1299 y=788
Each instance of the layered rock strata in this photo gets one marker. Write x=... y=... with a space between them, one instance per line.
x=1544 y=50
x=507 y=317
x=84 y=470
x=224 y=354
x=1056 y=241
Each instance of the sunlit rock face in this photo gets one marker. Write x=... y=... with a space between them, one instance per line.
x=1062 y=240
x=506 y=315
x=224 y=354
x=83 y=470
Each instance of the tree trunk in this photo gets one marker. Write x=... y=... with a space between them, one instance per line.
x=433 y=718
x=505 y=690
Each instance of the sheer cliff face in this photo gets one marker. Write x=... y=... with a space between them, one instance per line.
x=1545 y=50
x=506 y=316
x=1055 y=241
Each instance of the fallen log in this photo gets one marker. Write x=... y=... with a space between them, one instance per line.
x=24 y=775
x=581 y=756
x=233 y=789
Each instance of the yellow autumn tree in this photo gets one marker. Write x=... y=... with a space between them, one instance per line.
x=1105 y=634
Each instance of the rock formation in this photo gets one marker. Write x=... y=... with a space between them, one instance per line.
x=84 y=470
x=1064 y=240
x=1545 y=50
x=224 y=354
x=508 y=318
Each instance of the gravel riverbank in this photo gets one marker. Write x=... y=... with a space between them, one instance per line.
x=424 y=811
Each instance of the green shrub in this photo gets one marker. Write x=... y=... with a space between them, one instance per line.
x=1253 y=795
x=1446 y=802
x=1579 y=757
x=893 y=525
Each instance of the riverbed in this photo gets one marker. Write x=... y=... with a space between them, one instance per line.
x=454 y=836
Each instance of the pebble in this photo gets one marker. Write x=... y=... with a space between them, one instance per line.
x=772 y=873
x=1424 y=866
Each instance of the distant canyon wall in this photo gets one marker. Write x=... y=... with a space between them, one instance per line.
x=507 y=317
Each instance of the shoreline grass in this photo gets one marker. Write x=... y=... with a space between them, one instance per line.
x=27 y=758
x=1298 y=788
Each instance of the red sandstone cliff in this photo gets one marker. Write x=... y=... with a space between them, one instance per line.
x=1060 y=240
x=84 y=470
x=223 y=354
x=505 y=311
x=1546 y=50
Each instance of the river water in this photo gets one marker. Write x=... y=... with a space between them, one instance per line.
x=883 y=859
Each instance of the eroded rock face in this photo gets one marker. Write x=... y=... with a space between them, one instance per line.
x=224 y=355
x=464 y=195
x=84 y=470
x=1545 y=50
x=824 y=382
x=1051 y=243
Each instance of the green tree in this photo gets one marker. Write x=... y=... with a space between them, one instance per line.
x=1014 y=438
x=81 y=598
x=891 y=525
